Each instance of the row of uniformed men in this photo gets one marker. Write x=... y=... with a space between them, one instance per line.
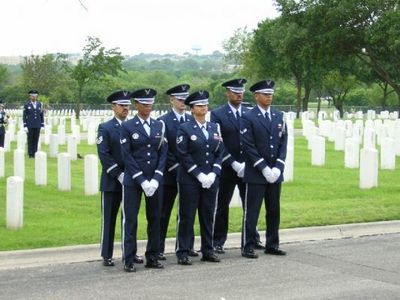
x=202 y=160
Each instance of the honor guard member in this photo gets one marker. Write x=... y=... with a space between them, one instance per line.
x=264 y=137
x=33 y=121
x=144 y=151
x=172 y=120
x=200 y=150
x=228 y=117
x=112 y=175
x=3 y=121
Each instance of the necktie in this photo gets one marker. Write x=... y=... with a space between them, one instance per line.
x=238 y=118
x=146 y=127
x=267 y=116
x=205 y=132
x=182 y=120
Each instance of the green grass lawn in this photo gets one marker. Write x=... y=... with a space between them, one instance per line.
x=318 y=196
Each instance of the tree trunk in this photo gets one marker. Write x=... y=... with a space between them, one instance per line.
x=306 y=99
x=319 y=103
x=298 y=98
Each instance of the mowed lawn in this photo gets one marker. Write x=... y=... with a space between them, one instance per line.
x=318 y=196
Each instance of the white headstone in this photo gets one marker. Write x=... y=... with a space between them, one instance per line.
x=91 y=133
x=47 y=133
x=288 y=172
x=15 y=202
x=388 y=155
x=2 y=162
x=72 y=147
x=61 y=134
x=318 y=151
x=7 y=142
x=40 y=168
x=369 y=138
x=76 y=131
x=340 y=137
x=21 y=140
x=351 y=153
x=19 y=163
x=53 y=145
x=368 y=168
x=236 y=202
x=64 y=171
x=11 y=131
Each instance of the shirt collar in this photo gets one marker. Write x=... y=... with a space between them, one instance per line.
x=178 y=116
x=263 y=111
x=234 y=110
x=142 y=121
x=200 y=125
x=119 y=120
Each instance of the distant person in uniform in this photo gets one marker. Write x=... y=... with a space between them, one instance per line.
x=33 y=121
x=3 y=121
x=112 y=175
x=264 y=138
x=200 y=150
x=144 y=152
x=228 y=117
x=172 y=120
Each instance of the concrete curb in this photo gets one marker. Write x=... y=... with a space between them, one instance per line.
x=86 y=253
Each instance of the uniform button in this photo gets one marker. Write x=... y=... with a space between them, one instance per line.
x=241 y=144
x=148 y=153
x=270 y=137
x=207 y=153
x=208 y=146
x=272 y=155
x=148 y=162
x=272 y=146
x=148 y=145
x=241 y=151
x=206 y=161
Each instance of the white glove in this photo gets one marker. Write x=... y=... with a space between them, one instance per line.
x=240 y=173
x=42 y=129
x=275 y=174
x=236 y=166
x=267 y=173
x=121 y=178
x=153 y=187
x=26 y=129
x=146 y=187
x=210 y=180
x=202 y=178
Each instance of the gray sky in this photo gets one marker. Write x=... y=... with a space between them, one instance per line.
x=135 y=26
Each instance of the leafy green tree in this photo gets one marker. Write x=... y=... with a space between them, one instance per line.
x=95 y=65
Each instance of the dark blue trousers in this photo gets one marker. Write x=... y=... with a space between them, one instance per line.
x=110 y=202
x=131 y=204
x=168 y=199
x=33 y=140
x=192 y=198
x=254 y=196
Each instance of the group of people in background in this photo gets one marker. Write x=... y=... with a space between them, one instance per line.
x=201 y=162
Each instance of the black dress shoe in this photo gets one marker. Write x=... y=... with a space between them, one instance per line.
x=153 y=264
x=211 y=258
x=274 y=251
x=259 y=246
x=193 y=253
x=249 y=254
x=108 y=262
x=219 y=249
x=185 y=261
x=137 y=259
x=129 y=268
x=161 y=256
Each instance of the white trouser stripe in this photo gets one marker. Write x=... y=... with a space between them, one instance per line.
x=214 y=218
x=123 y=225
x=178 y=220
x=245 y=217
x=102 y=221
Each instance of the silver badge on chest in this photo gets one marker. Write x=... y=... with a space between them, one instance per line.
x=135 y=136
x=193 y=137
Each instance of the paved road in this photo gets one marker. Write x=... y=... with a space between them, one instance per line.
x=351 y=268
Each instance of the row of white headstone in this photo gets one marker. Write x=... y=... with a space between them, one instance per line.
x=348 y=137
x=15 y=183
